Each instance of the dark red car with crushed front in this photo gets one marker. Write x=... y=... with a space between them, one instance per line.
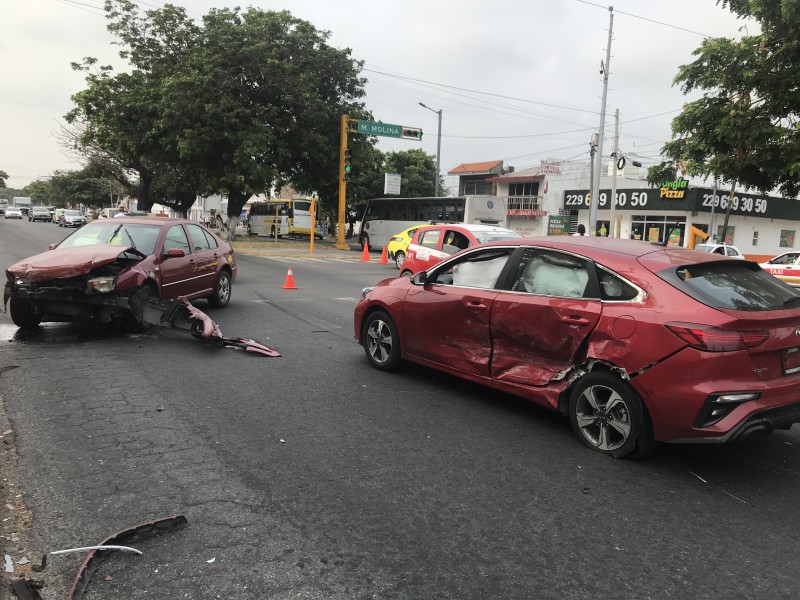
x=103 y=270
x=635 y=342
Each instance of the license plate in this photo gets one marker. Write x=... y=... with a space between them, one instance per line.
x=790 y=358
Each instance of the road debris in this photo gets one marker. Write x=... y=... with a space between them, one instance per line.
x=732 y=496
x=9 y=564
x=211 y=560
x=27 y=589
x=698 y=476
x=181 y=315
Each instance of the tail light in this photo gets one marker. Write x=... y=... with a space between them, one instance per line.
x=714 y=339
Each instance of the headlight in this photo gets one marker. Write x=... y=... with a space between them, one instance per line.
x=21 y=281
x=100 y=285
x=366 y=291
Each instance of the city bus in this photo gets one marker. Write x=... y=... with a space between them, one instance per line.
x=385 y=217
x=283 y=217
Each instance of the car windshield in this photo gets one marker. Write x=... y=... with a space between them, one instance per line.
x=143 y=237
x=494 y=236
x=72 y=213
x=734 y=285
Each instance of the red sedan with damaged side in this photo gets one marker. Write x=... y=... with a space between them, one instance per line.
x=105 y=269
x=635 y=342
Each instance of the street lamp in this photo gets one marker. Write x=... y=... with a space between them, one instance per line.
x=438 y=148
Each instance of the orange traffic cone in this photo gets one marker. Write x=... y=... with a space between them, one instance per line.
x=365 y=254
x=384 y=257
x=289 y=285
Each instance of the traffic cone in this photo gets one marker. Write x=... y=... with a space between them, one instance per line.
x=289 y=285
x=384 y=257
x=365 y=253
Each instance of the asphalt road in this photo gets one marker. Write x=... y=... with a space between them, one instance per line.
x=314 y=476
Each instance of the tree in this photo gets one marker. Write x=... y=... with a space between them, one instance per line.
x=3 y=177
x=418 y=170
x=744 y=129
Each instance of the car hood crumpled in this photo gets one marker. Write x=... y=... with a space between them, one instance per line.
x=67 y=262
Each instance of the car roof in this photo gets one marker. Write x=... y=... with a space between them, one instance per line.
x=152 y=220
x=471 y=227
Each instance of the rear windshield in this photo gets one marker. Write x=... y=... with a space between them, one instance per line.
x=734 y=285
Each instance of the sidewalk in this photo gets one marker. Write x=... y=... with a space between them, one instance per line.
x=264 y=246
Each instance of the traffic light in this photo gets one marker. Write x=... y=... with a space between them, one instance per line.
x=412 y=133
x=348 y=168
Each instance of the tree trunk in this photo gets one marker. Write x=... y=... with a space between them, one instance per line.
x=236 y=201
x=728 y=213
x=145 y=202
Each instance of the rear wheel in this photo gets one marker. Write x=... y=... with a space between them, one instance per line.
x=607 y=415
x=399 y=258
x=222 y=291
x=24 y=313
x=381 y=342
x=364 y=239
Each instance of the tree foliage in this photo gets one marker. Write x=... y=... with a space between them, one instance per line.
x=3 y=177
x=244 y=101
x=744 y=128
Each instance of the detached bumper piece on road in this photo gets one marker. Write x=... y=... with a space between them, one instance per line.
x=181 y=315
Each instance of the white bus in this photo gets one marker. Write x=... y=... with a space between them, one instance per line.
x=283 y=217
x=385 y=217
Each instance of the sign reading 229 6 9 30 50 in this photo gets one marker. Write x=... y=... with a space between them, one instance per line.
x=697 y=199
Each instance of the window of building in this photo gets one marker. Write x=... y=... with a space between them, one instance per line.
x=529 y=188
x=787 y=238
x=755 y=238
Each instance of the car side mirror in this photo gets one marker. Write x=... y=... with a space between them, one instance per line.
x=174 y=253
x=52 y=246
x=420 y=278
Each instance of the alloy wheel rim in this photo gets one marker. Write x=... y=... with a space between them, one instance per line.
x=603 y=418
x=379 y=342
x=224 y=289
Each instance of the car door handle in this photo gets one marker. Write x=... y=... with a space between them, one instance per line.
x=475 y=305
x=574 y=320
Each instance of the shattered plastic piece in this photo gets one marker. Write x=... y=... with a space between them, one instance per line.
x=698 y=476
x=137 y=533
x=180 y=314
x=9 y=564
x=23 y=561
x=160 y=407
x=283 y=441
x=27 y=589
x=101 y=547
x=211 y=560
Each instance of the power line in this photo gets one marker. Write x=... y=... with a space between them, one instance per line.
x=705 y=35
x=453 y=87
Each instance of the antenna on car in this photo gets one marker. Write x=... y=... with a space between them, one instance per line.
x=666 y=238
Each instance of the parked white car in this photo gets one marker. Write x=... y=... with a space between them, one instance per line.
x=13 y=212
x=724 y=250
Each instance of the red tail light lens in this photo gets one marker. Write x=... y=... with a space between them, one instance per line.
x=714 y=339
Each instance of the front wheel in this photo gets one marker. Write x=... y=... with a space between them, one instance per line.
x=24 y=313
x=607 y=415
x=364 y=239
x=399 y=258
x=381 y=342
x=405 y=273
x=222 y=291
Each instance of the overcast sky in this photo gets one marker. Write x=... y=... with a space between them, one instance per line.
x=517 y=81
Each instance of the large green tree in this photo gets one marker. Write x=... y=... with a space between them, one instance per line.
x=417 y=169
x=744 y=127
x=3 y=177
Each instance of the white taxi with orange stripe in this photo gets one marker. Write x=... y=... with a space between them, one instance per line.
x=785 y=267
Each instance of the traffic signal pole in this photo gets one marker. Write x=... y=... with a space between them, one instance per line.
x=340 y=243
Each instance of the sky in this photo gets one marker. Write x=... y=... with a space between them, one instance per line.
x=516 y=80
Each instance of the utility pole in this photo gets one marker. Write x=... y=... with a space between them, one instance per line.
x=438 y=147
x=340 y=243
x=604 y=69
x=713 y=204
x=615 y=155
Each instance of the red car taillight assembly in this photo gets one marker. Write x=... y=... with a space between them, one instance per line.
x=715 y=339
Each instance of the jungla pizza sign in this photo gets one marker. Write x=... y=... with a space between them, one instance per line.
x=673 y=190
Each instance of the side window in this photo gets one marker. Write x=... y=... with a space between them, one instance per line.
x=478 y=270
x=719 y=250
x=731 y=251
x=212 y=242
x=176 y=238
x=454 y=241
x=546 y=273
x=614 y=288
x=430 y=239
x=199 y=240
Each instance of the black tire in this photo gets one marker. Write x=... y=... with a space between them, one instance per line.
x=364 y=239
x=608 y=416
x=405 y=273
x=249 y=229
x=381 y=341
x=222 y=291
x=399 y=258
x=24 y=313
